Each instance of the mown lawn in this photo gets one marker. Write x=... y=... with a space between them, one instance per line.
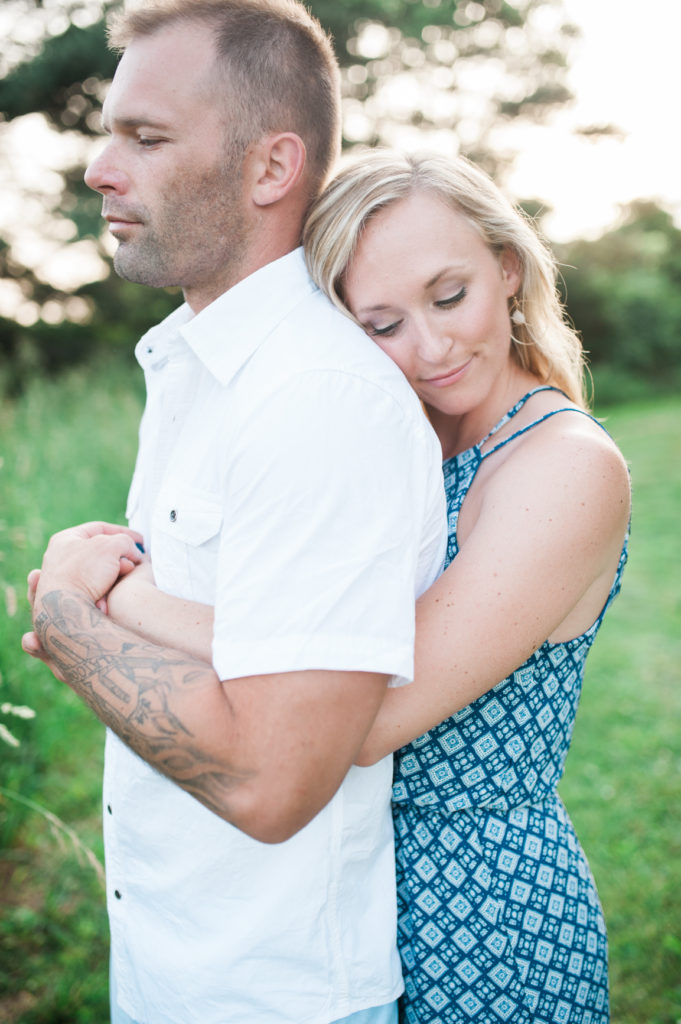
x=66 y=453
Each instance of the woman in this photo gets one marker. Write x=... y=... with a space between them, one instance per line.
x=499 y=919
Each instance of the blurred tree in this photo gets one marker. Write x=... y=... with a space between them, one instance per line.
x=623 y=293
x=455 y=68
x=426 y=70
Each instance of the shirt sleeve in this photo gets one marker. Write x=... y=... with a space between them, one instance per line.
x=324 y=531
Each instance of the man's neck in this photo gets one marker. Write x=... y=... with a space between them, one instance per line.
x=200 y=296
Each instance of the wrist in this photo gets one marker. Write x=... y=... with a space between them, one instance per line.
x=51 y=584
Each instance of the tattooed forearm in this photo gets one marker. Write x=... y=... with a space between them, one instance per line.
x=146 y=694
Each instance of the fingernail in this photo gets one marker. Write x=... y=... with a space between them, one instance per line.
x=139 y=547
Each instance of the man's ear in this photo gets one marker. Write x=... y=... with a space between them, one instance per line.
x=278 y=166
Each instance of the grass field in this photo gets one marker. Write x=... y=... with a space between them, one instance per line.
x=66 y=453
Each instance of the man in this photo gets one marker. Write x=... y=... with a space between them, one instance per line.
x=287 y=477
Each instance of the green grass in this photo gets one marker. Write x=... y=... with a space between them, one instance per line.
x=67 y=449
x=66 y=454
x=623 y=776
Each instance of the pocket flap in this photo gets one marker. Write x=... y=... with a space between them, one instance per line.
x=188 y=516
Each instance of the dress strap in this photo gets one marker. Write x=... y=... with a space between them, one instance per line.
x=516 y=409
x=535 y=423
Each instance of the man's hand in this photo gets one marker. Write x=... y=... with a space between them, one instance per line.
x=87 y=559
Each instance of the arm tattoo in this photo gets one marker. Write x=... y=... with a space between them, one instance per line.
x=134 y=688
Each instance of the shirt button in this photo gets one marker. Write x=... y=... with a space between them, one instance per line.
x=108 y=807
x=173 y=516
x=117 y=894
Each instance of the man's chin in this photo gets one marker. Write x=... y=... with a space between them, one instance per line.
x=130 y=268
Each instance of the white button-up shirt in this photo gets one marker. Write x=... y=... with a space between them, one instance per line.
x=287 y=476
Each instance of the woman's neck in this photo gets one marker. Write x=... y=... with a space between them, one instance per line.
x=457 y=433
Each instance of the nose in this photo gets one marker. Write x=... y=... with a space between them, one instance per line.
x=103 y=175
x=434 y=341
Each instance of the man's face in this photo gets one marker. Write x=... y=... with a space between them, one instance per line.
x=172 y=186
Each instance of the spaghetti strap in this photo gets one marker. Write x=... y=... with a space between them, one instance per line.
x=534 y=423
x=516 y=409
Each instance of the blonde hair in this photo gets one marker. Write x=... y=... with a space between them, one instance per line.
x=278 y=67
x=544 y=344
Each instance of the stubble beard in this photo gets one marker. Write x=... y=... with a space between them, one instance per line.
x=200 y=234
x=142 y=262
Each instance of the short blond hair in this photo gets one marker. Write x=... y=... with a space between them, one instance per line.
x=278 y=65
x=545 y=344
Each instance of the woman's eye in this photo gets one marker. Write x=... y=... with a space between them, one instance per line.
x=147 y=142
x=453 y=301
x=383 y=332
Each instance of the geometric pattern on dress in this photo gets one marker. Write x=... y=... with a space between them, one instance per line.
x=499 y=919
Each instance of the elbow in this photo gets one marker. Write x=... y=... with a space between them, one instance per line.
x=369 y=755
x=374 y=749
x=268 y=818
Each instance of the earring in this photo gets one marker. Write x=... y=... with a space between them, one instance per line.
x=517 y=315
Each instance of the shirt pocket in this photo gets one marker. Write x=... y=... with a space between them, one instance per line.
x=186 y=526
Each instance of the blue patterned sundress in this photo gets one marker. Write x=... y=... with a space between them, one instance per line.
x=498 y=915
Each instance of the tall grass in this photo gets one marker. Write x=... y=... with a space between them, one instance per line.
x=66 y=451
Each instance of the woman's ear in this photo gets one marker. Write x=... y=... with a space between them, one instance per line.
x=278 y=167
x=511 y=270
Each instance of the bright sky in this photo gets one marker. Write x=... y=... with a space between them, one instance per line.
x=625 y=70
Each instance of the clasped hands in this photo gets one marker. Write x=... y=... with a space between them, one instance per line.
x=87 y=560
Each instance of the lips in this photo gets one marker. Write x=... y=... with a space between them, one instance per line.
x=119 y=218
x=450 y=377
x=116 y=221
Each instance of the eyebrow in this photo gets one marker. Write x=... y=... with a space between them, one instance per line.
x=462 y=266
x=132 y=122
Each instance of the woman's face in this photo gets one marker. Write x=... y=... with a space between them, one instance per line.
x=429 y=291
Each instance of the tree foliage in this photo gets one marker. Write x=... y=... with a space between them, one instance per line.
x=448 y=66
x=456 y=68
x=623 y=293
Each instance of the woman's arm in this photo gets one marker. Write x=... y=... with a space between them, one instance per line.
x=536 y=563
x=136 y=604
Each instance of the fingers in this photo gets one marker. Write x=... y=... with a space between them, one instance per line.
x=30 y=644
x=32 y=580
x=127 y=565
x=127 y=548
x=98 y=527
x=87 y=563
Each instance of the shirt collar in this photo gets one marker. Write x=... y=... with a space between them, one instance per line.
x=229 y=331
x=154 y=348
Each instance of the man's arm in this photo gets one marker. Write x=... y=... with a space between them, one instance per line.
x=265 y=753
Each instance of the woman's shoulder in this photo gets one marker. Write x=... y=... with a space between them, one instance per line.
x=562 y=448
x=565 y=431
x=547 y=420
